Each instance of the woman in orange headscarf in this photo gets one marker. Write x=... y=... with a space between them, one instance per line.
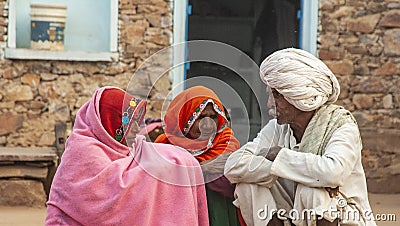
x=196 y=121
x=185 y=112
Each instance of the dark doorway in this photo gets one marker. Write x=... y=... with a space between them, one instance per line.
x=257 y=28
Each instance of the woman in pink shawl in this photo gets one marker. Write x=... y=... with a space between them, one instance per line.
x=110 y=176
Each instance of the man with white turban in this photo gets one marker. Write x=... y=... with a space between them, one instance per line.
x=304 y=166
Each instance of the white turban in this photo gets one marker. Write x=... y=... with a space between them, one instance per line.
x=304 y=80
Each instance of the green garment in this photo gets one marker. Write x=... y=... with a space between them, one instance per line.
x=221 y=211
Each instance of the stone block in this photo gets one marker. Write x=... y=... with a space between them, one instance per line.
x=369 y=85
x=87 y=68
x=348 y=39
x=30 y=79
x=365 y=24
x=344 y=67
x=396 y=101
x=391 y=19
x=356 y=3
x=387 y=101
x=368 y=39
x=10 y=73
x=155 y=9
x=361 y=69
x=163 y=84
x=342 y=12
x=3 y=140
x=363 y=101
x=376 y=7
x=388 y=68
x=60 y=111
x=23 y=171
x=63 y=68
x=37 y=104
x=18 y=92
x=10 y=122
x=7 y=104
x=138 y=2
x=384 y=185
x=330 y=26
x=330 y=54
x=137 y=50
x=329 y=39
x=131 y=10
x=154 y=20
x=386 y=140
x=375 y=50
x=356 y=49
x=328 y=4
x=364 y=119
x=391 y=40
x=47 y=139
x=393 y=5
x=29 y=193
x=8 y=154
x=393 y=169
x=166 y=21
x=48 y=76
x=47 y=91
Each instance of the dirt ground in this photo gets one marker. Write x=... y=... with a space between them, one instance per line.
x=387 y=206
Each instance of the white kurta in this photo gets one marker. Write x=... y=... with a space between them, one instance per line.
x=340 y=165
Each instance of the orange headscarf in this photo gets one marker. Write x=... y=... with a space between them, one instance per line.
x=180 y=116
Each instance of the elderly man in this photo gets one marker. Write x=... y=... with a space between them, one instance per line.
x=304 y=166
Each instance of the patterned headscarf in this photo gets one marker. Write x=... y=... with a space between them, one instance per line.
x=118 y=110
x=304 y=80
x=183 y=111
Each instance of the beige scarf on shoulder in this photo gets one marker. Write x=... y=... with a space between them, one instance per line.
x=324 y=123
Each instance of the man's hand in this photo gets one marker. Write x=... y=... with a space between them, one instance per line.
x=333 y=192
x=273 y=152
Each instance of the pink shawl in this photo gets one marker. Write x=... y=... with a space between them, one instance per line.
x=103 y=182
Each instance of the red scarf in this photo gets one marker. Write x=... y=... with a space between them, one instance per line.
x=112 y=106
x=188 y=105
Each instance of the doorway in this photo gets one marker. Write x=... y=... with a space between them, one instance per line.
x=255 y=27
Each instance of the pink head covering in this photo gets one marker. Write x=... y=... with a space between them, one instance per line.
x=100 y=181
x=116 y=122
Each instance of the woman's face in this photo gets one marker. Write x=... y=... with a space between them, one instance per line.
x=205 y=125
x=131 y=136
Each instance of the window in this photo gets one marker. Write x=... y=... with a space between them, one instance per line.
x=91 y=31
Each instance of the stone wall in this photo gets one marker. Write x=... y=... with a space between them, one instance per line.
x=35 y=94
x=360 y=42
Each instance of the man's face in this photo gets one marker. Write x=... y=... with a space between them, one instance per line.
x=282 y=110
x=205 y=125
